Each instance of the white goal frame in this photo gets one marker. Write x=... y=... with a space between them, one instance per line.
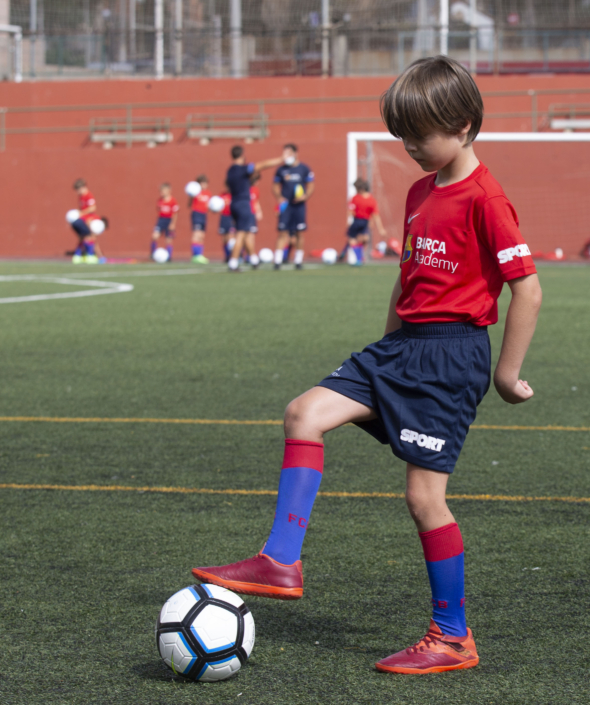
x=353 y=138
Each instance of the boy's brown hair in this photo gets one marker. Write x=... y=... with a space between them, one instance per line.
x=436 y=94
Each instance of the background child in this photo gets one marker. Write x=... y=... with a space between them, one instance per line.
x=418 y=388
x=167 y=215
x=199 y=206
x=88 y=251
x=362 y=211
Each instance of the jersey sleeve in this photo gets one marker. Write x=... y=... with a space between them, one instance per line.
x=278 y=177
x=498 y=229
x=310 y=175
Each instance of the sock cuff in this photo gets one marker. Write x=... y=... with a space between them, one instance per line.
x=442 y=543
x=303 y=454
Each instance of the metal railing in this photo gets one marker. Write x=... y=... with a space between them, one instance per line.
x=538 y=118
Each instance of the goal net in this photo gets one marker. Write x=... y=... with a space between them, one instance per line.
x=545 y=175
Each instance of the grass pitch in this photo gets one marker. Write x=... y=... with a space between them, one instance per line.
x=84 y=573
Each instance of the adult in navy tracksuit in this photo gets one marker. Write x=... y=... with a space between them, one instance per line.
x=238 y=181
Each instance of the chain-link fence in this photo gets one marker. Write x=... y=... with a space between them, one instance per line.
x=295 y=37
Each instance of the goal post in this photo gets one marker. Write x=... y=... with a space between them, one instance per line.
x=546 y=176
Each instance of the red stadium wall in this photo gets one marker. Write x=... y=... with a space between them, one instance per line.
x=38 y=169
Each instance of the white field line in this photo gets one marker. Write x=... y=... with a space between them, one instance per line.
x=100 y=287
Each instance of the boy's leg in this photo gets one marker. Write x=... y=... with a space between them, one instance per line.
x=282 y=242
x=234 y=260
x=250 y=243
x=276 y=570
x=169 y=246
x=299 y=251
x=155 y=238
x=198 y=246
x=449 y=644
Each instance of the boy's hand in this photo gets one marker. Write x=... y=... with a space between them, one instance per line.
x=511 y=391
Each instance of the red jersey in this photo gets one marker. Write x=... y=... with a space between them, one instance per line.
x=167 y=207
x=461 y=243
x=85 y=201
x=363 y=206
x=227 y=198
x=201 y=202
x=254 y=197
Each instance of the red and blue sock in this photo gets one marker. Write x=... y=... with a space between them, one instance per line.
x=89 y=247
x=301 y=475
x=154 y=246
x=227 y=251
x=197 y=249
x=359 y=252
x=443 y=551
x=169 y=248
x=286 y=253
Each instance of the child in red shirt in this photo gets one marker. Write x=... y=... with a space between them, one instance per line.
x=199 y=206
x=418 y=388
x=166 y=222
x=362 y=211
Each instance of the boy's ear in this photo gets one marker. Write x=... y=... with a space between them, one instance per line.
x=465 y=130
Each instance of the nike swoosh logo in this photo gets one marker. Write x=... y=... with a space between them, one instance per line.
x=411 y=218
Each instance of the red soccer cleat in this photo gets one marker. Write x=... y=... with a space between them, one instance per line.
x=260 y=575
x=434 y=653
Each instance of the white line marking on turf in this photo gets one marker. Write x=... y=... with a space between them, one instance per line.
x=99 y=288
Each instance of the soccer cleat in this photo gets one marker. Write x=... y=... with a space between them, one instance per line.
x=91 y=259
x=200 y=259
x=299 y=266
x=260 y=575
x=434 y=653
x=78 y=259
x=276 y=267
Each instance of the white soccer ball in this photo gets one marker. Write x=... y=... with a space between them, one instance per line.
x=193 y=188
x=216 y=204
x=161 y=255
x=97 y=226
x=205 y=633
x=329 y=256
x=266 y=255
x=558 y=253
x=72 y=215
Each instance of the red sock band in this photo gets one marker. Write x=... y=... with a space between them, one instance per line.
x=442 y=543
x=303 y=454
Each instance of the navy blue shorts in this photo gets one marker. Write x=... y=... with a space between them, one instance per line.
x=424 y=382
x=81 y=228
x=359 y=226
x=163 y=227
x=226 y=225
x=253 y=224
x=292 y=219
x=198 y=220
x=242 y=214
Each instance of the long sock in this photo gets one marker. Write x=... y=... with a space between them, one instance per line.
x=286 y=253
x=443 y=551
x=279 y=254
x=89 y=248
x=233 y=263
x=197 y=249
x=358 y=251
x=351 y=256
x=79 y=250
x=226 y=251
x=169 y=248
x=154 y=246
x=299 y=256
x=301 y=475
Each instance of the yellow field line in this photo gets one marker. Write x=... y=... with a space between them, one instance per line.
x=240 y=422
x=202 y=490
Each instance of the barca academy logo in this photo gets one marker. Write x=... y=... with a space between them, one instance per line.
x=407 y=250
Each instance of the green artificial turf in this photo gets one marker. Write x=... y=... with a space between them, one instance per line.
x=84 y=574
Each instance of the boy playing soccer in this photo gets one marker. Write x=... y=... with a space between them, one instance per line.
x=166 y=223
x=362 y=210
x=238 y=181
x=199 y=206
x=418 y=387
x=88 y=250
